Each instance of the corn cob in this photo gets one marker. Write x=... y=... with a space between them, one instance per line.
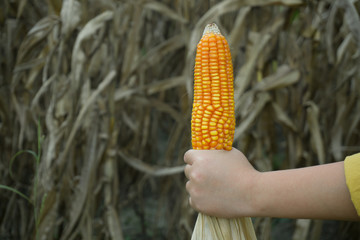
x=213 y=124
x=213 y=121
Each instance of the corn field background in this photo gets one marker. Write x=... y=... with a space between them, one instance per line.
x=95 y=103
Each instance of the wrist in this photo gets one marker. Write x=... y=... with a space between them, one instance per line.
x=251 y=206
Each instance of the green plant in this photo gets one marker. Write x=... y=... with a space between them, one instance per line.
x=37 y=156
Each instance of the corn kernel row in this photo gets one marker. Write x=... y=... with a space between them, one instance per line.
x=213 y=121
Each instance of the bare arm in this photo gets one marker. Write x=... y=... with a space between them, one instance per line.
x=224 y=184
x=314 y=192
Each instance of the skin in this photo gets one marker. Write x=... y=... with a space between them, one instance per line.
x=224 y=184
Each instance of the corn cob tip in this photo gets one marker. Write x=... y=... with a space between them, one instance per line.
x=211 y=28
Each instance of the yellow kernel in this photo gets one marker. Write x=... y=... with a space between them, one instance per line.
x=210 y=108
x=213 y=144
x=215 y=138
x=219 y=146
x=213 y=133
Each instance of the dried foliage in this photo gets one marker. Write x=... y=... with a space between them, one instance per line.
x=111 y=84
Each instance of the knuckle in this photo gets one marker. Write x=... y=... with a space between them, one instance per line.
x=196 y=176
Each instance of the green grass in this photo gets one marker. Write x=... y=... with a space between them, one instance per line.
x=37 y=156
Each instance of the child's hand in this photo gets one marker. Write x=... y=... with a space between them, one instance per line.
x=220 y=182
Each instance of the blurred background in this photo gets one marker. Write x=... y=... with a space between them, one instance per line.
x=95 y=104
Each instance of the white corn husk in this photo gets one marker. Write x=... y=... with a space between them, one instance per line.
x=213 y=228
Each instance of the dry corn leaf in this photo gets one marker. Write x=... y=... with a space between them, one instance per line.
x=343 y=48
x=114 y=225
x=35 y=35
x=249 y=120
x=162 y=107
x=163 y=9
x=330 y=33
x=154 y=55
x=282 y=117
x=86 y=179
x=317 y=228
x=78 y=56
x=21 y=7
x=238 y=30
x=79 y=120
x=352 y=19
x=165 y=84
x=302 y=229
x=131 y=53
x=70 y=16
x=283 y=77
x=246 y=72
x=155 y=171
x=317 y=144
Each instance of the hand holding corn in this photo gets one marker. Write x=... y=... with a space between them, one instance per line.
x=213 y=125
x=221 y=182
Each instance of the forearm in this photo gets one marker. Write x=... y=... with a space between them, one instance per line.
x=318 y=192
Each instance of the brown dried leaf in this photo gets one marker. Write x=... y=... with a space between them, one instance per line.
x=352 y=19
x=246 y=72
x=155 y=171
x=163 y=9
x=263 y=99
x=312 y=111
x=21 y=8
x=282 y=117
x=302 y=229
x=283 y=77
x=70 y=16
x=163 y=85
x=79 y=120
x=113 y=223
x=78 y=56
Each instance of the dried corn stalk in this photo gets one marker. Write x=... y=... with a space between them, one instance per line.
x=213 y=123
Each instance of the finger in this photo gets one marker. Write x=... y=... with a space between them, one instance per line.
x=188 y=157
x=190 y=202
x=187 y=171
x=187 y=186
